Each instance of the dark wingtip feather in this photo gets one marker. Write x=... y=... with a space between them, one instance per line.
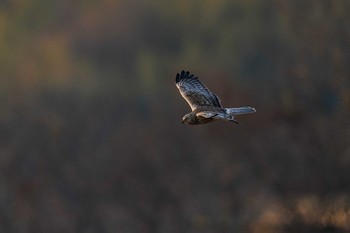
x=177 y=78
x=234 y=121
x=184 y=75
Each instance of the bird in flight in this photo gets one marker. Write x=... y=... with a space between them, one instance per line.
x=206 y=106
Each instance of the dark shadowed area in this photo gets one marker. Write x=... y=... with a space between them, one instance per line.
x=91 y=138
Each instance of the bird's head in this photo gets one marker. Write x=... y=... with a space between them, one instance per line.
x=188 y=118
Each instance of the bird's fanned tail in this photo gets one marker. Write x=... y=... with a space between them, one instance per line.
x=240 y=110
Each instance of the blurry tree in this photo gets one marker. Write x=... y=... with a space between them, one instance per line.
x=90 y=131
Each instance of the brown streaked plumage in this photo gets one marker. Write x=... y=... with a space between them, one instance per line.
x=206 y=106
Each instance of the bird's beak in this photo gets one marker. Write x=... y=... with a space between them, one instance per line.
x=182 y=121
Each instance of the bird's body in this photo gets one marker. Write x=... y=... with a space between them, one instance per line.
x=206 y=106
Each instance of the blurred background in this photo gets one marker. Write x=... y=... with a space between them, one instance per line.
x=91 y=138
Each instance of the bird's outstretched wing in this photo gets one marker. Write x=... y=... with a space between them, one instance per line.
x=194 y=92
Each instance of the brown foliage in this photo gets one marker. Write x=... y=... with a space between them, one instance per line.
x=91 y=138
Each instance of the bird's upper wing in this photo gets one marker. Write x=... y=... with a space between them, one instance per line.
x=194 y=92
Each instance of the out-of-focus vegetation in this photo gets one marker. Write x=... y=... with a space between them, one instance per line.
x=90 y=120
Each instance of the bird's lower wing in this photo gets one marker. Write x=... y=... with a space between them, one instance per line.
x=216 y=116
x=209 y=114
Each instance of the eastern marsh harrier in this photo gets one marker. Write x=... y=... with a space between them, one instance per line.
x=206 y=106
